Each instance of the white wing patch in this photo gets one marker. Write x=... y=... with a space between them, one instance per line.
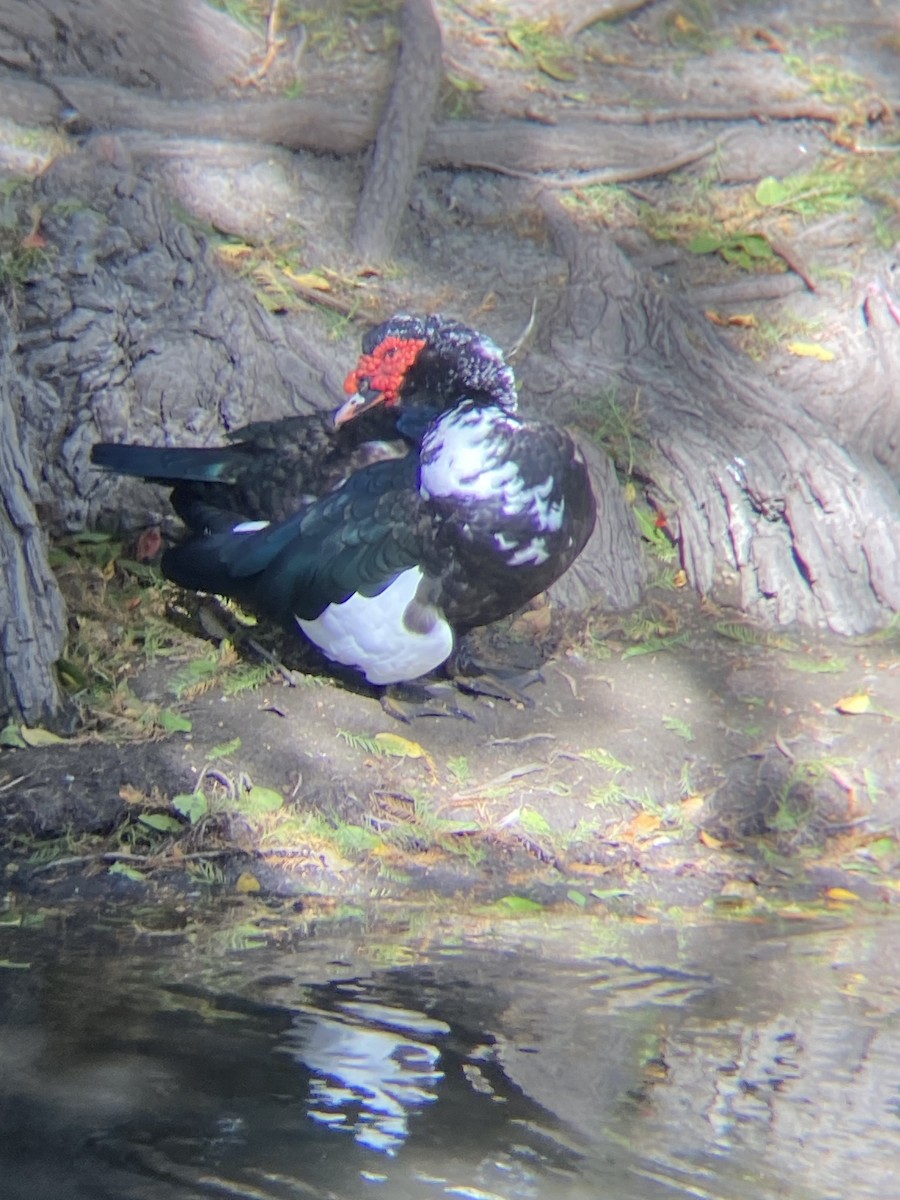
x=371 y=633
x=250 y=527
x=535 y=553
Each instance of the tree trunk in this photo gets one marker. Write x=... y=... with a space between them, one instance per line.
x=773 y=513
x=32 y=614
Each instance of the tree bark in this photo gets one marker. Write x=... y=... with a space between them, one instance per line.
x=773 y=514
x=32 y=614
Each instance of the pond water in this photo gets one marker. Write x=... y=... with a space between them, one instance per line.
x=386 y=1054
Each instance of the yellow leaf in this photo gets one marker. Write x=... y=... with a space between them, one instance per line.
x=711 y=843
x=810 y=350
x=400 y=747
x=234 y=251
x=737 y=320
x=839 y=893
x=40 y=737
x=247 y=883
x=854 y=705
x=308 y=280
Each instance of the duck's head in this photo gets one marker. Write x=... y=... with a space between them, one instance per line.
x=423 y=366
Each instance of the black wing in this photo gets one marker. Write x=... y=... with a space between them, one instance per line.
x=357 y=539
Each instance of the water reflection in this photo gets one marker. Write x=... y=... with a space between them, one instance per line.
x=587 y=1060
x=366 y=1076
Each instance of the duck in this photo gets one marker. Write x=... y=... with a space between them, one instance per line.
x=383 y=572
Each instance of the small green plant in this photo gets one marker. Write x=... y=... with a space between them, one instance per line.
x=540 y=44
x=615 y=426
x=747 y=250
x=459 y=94
x=606 y=795
x=833 y=83
x=460 y=769
x=685 y=781
x=604 y=759
x=677 y=725
x=608 y=203
x=750 y=635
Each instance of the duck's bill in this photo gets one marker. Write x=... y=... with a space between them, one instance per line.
x=356 y=405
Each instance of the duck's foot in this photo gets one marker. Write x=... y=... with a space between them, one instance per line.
x=478 y=678
x=420 y=701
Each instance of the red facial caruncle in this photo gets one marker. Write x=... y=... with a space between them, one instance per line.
x=384 y=370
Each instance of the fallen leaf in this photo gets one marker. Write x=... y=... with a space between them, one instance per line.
x=692 y=805
x=770 y=191
x=259 y=800
x=736 y=320
x=161 y=822
x=308 y=280
x=769 y=40
x=233 y=252
x=643 y=823
x=247 y=883
x=40 y=737
x=192 y=805
x=398 y=746
x=810 y=350
x=840 y=893
x=131 y=795
x=854 y=705
x=10 y=736
x=711 y=843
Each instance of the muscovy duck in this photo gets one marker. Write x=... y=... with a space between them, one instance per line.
x=271 y=469
x=485 y=510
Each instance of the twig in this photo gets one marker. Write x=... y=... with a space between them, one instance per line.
x=526 y=333
x=11 y=783
x=520 y=741
x=499 y=781
x=285 y=672
x=273 y=44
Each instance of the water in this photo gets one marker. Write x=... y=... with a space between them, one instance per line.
x=163 y=1056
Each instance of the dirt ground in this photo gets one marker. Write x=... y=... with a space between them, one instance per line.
x=673 y=755
x=715 y=769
